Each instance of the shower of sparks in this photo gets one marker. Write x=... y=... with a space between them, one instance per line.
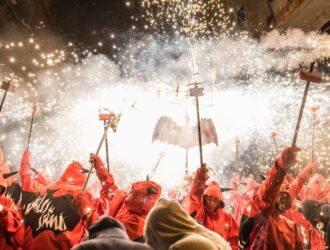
x=190 y=18
x=250 y=86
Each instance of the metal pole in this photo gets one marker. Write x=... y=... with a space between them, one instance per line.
x=294 y=140
x=97 y=152
x=186 y=163
x=106 y=147
x=31 y=125
x=199 y=131
x=3 y=100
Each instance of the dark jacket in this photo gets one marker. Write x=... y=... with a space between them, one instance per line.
x=109 y=234
x=55 y=217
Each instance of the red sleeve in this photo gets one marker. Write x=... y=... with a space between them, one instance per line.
x=108 y=190
x=82 y=202
x=233 y=235
x=298 y=182
x=268 y=191
x=197 y=190
x=41 y=179
x=12 y=222
x=29 y=183
x=107 y=181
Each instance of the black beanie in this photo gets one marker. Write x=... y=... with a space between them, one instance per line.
x=104 y=223
x=311 y=209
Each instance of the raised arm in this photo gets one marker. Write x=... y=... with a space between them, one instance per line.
x=197 y=189
x=264 y=199
x=29 y=183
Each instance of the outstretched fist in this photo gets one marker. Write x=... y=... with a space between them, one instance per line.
x=26 y=159
x=96 y=160
x=289 y=157
x=202 y=172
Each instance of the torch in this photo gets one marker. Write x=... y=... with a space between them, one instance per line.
x=112 y=122
x=105 y=118
x=196 y=92
x=309 y=77
x=34 y=109
x=273 y=136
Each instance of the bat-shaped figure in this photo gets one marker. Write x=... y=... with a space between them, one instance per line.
x=166 y=130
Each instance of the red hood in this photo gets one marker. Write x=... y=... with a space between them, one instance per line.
x=252 y=186
x=318 y=184
x=73 y=176
x=285 y=188
x=3 y=183
x=3 y=166
x=139 y=200
x=213 y=189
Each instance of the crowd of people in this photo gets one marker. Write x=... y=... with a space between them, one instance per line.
x=283 y=212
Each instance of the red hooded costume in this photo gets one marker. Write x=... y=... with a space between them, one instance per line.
x=311 y=237
x=11 y=227
x=56 y=217
x=130 y=209
x=264 y=227
x=218 y=221
x=13 y=190
x=240 y=200
x=317 y=189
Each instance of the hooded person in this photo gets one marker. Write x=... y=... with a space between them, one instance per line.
x=13 y=189
x=319 y=217
x=130 y=209
x=206 y=205
x=11 y=227
x=168 y=226
x=107 y=233
x=263 y=226
x=312 y=239
x=240 y=197
x=56 y=216
x=316 y=189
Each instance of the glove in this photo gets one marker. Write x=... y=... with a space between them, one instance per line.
x=96 y=160
x=26 y=159
x=202 y=173
x=288 y=158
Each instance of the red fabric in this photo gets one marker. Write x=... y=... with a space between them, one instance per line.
x=108 y=185
x=73 y=175
x=44 y=177
x=317 y=189
x=213 y=189
x=11 y=227
x=71 y=209
x=296 y=184
x=3 y=183
x=219 y=221
x=130 y=209
x=239 y=200
x=4 y=168
x=308 y=232
x=263 y=227
x=27 y=175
